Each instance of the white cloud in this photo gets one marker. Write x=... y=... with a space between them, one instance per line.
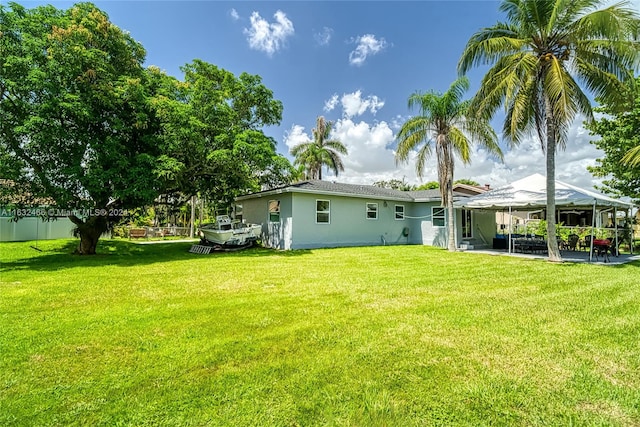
x=323 y=37
x=269 y=37
x=367 y=45
x=371 y=157
x=528 y=158
x=295 y=136
x=353 y=104
x=331 y=103
x=234 y=14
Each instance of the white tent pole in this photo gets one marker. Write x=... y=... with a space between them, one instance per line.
x=630 y=222
x=510 y=225
x=593 y=224
x=615 y=227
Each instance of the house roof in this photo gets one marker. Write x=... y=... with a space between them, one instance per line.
x=352 y=190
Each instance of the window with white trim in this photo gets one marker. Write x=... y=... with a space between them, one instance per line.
x=323 y=211
x=274 y=210
x=437 y=216
x=372 y=211
x=399 y=210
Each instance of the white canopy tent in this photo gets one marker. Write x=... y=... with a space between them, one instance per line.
x=530 y=193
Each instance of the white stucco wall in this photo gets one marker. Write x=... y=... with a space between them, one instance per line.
x=349 y=226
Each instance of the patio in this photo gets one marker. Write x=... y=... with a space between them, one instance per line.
x=567 y=256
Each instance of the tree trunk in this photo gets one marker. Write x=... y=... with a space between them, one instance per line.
x=552 y=242
x=89 y=232
x=451 y=241
x=452 y=223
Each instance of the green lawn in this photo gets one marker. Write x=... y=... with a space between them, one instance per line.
x=388 y=336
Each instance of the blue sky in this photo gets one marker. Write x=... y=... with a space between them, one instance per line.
x=356 y=63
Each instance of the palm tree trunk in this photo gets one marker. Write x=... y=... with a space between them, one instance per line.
x=552 y=242
x=452 y=223
x=451 y=241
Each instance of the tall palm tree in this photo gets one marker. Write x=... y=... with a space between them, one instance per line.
x=538 y=57
x=443 y=124
x=320 y=152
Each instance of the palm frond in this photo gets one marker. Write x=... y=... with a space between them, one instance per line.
x=460 y=144
x=632 y=157
x=489 y=45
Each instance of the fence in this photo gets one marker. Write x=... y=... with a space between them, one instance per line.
x=153 y=232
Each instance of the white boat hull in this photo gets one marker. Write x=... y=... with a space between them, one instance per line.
x=241 y=236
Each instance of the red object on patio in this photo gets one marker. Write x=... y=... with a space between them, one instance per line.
x=601 y=242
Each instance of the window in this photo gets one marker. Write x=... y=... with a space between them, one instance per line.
x=399 y=212
x=274 y=210
x=372 y=211
x=237 y=212
x=437 y=217
x=323 y=211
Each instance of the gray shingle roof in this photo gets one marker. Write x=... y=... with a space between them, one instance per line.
x=355 y=190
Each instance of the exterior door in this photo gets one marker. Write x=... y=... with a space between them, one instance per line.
x=467 y=224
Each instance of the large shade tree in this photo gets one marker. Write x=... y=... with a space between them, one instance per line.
x=443 y=124
x=320 y=152
x=540 y=59
x=214 y=145
x=86 y=128
x=76 y=125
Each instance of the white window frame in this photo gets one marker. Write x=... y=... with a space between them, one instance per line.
x=367 y=210
x=395 y=212
x=440 y=216
x=327 y=212
x=270 y=212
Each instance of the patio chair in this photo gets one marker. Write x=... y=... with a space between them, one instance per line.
x=572 y=241
x=586 y=243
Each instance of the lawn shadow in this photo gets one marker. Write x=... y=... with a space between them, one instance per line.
x=123 y=253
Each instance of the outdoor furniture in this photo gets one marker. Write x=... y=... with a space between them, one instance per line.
x=136 y=233
x=499 y=243
x=601 y=248
x=529 y=245
x=586 y=243
x=572 y=241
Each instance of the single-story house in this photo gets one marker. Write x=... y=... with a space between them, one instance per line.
x=316 y=214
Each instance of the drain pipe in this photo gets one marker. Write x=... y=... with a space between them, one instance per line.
x=384 y=241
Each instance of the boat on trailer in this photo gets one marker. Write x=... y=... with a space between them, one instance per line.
x=230 y=233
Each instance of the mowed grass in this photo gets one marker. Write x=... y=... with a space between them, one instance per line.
x=375 y=336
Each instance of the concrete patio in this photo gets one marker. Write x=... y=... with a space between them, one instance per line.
x=567 y=256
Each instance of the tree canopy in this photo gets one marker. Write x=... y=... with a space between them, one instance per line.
x=319 y=152
x=213 y=142
x=84 y=126
x=619 y=131
x=395 y=184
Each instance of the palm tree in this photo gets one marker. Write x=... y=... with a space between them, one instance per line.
x=632 y=158
x=537 y=58
x=322 y=151
x=443 y=124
